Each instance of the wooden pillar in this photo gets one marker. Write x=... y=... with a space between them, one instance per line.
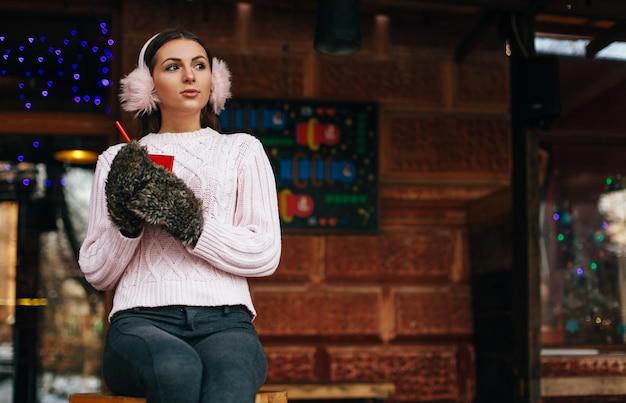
x=525 y=216
x=27 y=310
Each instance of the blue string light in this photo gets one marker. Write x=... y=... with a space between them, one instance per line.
x=82 y=55
x=56 y=65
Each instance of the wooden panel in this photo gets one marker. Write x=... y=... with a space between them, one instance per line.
x=340 y=390
x=583 y=386
x=490 y=245
x=56 y=123
x=100 y=398
x=271 y=397
x=261 y=397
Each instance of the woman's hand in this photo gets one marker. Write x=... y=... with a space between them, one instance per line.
x=126 y=176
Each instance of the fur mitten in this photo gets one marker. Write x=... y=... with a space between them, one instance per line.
x=128 y=174
x=166 y=200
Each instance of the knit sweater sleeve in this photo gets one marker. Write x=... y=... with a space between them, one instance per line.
x=105 y=252
x=251 y=247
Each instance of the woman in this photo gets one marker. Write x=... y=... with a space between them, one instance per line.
x=178 y=246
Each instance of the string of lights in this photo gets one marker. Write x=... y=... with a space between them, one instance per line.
x=55 y=64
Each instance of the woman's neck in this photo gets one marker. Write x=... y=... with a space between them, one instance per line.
x=182 y=124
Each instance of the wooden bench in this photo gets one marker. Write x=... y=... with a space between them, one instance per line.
x=261 y=397
x=579 y=386
x=363 y=391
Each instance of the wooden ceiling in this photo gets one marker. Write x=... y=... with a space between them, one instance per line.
x=601 y=21
x=592 y=90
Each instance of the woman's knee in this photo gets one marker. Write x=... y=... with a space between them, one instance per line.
x=235 y=355
x=150 y=359
x=174 y=378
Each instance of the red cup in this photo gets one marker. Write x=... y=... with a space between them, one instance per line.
x=166 y=161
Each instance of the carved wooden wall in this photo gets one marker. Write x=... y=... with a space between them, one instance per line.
x=394 y=305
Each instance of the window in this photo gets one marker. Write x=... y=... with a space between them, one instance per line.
x=582 y=245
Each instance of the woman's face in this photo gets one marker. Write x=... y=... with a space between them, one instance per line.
x=182 y=77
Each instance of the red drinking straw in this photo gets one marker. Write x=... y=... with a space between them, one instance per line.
x=121 y=129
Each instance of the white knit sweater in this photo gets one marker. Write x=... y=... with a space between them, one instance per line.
x=241 y=235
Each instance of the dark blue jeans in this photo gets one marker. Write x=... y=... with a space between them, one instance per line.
x=184 y=355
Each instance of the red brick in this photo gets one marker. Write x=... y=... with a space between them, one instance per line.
x=268 y=75
x=290 y=363
x=452 y=148
x=428 y=35
x=404 y=207
x=324 y=312
x=444 y=138
x=390 y=257
x=420 y=373
x=580 y=366
x=288 y=27
x=142 y=15
x=398 y=215
x=415 y=81
x=433 y=311
x=450 y=196
x=483 y=84
x=147 y=17
x=301 y=259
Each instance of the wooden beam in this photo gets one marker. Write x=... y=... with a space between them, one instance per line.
x=604 y=39
x=593 y=90
x=481 y=26
x=56 y=123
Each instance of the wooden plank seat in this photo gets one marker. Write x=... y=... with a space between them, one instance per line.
x=355 y=391
x=261 y=397
x=279 y=392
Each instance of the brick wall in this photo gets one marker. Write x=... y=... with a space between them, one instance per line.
x=394 y=305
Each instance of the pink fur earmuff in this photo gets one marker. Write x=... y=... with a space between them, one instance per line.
x=137 y=93
x=220 y=88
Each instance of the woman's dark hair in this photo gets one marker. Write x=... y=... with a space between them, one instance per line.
x=151 y=123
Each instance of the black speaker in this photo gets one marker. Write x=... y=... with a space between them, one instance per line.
x=337 y=31
x=539 y=88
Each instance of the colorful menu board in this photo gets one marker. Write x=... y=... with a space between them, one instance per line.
x=324 y=156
